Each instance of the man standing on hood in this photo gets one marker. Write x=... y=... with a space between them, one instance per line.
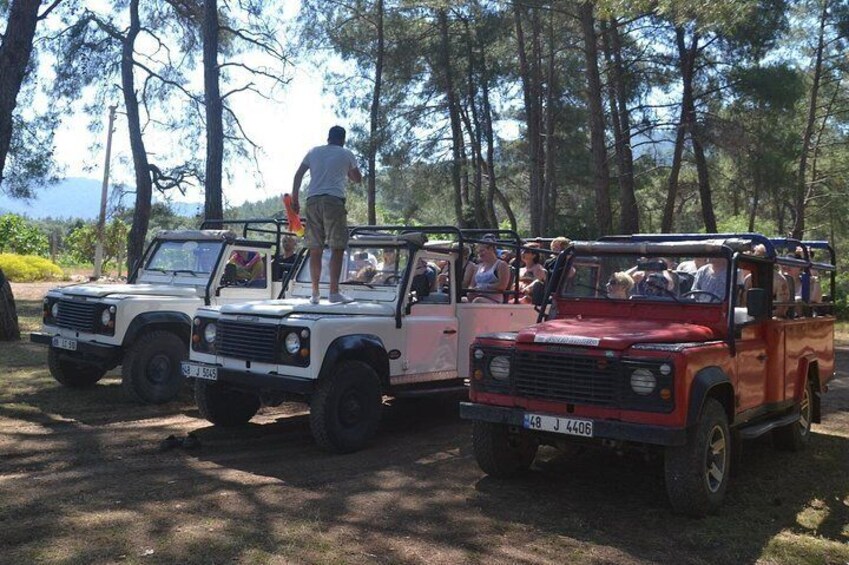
x=330 y=167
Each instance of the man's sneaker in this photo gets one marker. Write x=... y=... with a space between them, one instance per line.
x=314 y=299
x=337 y=297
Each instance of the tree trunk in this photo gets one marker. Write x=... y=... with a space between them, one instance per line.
x=15 y=52
x=801 y=181
x=629 y=221
x=601 y=173
x=473 y=124
x=374 y=119
x=549 y=211
x=9 y=329
x=213 y=208
x=491 y=187
x=530 y=92
x=144 y=186
x=457 y=149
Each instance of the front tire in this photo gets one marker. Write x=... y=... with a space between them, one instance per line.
x=224 y=406
x=71 y=374
x=151 y=370
x=500 y=452
x=796 y=436
x=345 y=409
x=697 y=473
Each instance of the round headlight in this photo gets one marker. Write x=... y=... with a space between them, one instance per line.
x=643 y=381
x=54 y=310
x=292 y=343
x=499 y=367
x=105 y=317
x=478 y=354
x=209 y=333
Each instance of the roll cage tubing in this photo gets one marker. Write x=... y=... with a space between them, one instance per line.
x=503 y=238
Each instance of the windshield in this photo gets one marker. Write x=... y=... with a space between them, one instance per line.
x=655 y=278
x=364 y=266
x=190 y=257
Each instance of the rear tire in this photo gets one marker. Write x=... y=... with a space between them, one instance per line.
x=151 y=371
x=345 y=409
x=697 y=473
x=71 y=374
x=225 y=406
x=501 y=453
x=796 y=436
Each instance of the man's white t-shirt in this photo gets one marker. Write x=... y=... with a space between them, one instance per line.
x=329 y=166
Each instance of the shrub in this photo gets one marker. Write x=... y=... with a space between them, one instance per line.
x=18 y=235
x=28 y=268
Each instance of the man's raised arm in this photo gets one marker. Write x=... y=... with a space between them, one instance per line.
x=296 y=187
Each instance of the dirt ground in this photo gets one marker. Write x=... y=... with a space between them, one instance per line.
x=83 y=480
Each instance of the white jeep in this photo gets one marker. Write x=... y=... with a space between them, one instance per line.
x=145 y=325
x=397 y=338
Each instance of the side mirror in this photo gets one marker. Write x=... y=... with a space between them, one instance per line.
x=756 y=303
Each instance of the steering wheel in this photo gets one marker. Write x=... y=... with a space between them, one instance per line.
x=392 y=279
x=714 y=298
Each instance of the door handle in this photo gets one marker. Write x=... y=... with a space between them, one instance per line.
x=761 y=357
x=449 y=331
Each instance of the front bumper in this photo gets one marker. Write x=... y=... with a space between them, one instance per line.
x=603 y=429
x=246 y=380
x=100 y=353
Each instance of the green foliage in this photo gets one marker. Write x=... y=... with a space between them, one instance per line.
x=841 y=295
x=82 y=241
x=18 y=235
x=28 y=268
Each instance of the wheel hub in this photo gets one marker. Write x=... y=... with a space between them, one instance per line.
x=715 y=459
x=350 y=409
x=159 y=369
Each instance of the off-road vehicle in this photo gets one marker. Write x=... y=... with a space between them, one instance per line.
x=682 y=363
x=145 y=325
x=398 y=337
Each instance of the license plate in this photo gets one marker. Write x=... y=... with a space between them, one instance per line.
x=568 y=426
x=60 y=342
x=193 y=371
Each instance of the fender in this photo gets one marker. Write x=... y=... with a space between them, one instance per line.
x=366 y=347
x=148 y=319
x=706 y=380
x=805 y=364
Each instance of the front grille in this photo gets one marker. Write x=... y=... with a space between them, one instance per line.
x=565 y=378
x=250 y=341
x=80 y=316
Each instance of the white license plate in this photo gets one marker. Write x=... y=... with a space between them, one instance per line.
x=64 y=343
x=191 y=370
x=568 y=426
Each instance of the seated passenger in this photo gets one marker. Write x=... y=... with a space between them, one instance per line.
x=558 y=244
x=532 y=276
x=492 y=274
x=387 y=268
x=712 y=278
x=619 y=285
x=249 y=265
x=692 y=266
x=424 y=276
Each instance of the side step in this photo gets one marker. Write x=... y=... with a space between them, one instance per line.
x=757 y=430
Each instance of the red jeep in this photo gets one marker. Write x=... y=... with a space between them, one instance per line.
x=681 y=343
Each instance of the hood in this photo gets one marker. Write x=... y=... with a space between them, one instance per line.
x=101 y=290
x=613 y=333
x=280 y=308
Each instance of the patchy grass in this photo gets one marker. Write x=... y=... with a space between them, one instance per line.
x=841 y=332
x=83 y=480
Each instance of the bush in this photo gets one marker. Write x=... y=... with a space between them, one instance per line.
x=18 y=235
x=28 y=268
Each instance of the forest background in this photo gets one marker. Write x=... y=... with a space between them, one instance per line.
x=555 y=118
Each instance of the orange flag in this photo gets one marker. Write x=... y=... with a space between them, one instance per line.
x=295 y=225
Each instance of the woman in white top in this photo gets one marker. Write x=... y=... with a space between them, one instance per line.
x=492 y=274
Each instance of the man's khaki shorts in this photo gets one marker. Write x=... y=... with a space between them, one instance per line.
x=327 y=222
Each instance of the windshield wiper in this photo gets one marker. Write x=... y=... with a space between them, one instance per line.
x=358 y=283
x=189 y=271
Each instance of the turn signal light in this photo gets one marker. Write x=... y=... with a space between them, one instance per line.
x=478 y=374
x=305 y=352
x=195 y=338
x=665 y=393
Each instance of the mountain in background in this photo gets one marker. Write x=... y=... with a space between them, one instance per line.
x=75 y=198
